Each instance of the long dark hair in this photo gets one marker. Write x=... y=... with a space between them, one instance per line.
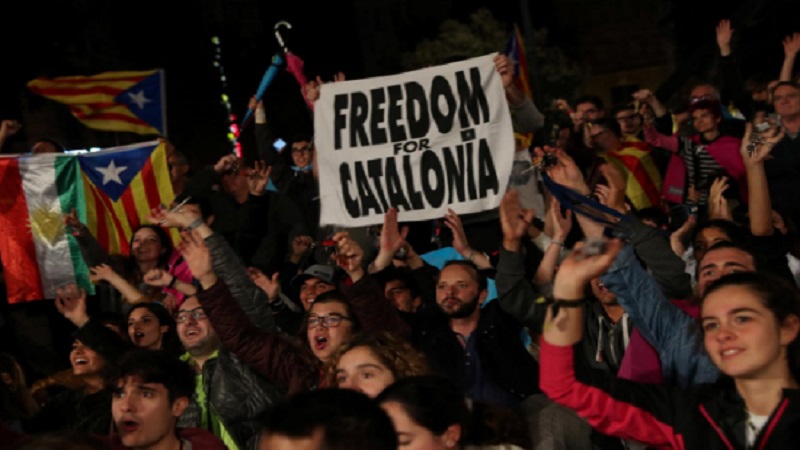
x=131 y=266
x=170 y=343
x=436 y=403
x=777 y=295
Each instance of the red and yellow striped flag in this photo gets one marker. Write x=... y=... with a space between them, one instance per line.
x=121 y=186
x=111 y=101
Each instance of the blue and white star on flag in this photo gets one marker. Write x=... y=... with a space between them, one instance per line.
x=111 y=173
x=139 y=99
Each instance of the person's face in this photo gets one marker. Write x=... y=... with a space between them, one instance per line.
x=742 y=336
x=704 y=91
x=360 y=370
x=629 y=121
x=400 y=296
x=413 y=436
x=145 y=330
x=457 y=292
x=602 y=293
x=235 y=182
x=588 y=111
x=706 y=239
x=325 y=340
x=720 y=262
x=177 y=168
x=704 y=121
x=601 y=137
x=44 y=147
x=196 y=335
x=146 y=245
x=786 y=100
x=310 y=289
x=277 y=441
x=85 y=361
x=302 y=153
x=143 y=413
x=563 y=137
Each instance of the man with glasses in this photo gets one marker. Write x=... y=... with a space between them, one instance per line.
x=783 y=165
x=228 y=394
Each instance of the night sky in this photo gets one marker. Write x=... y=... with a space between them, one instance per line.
x=71 y=37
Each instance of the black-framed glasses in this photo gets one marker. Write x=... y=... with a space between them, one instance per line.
x=331 y=320
x=197 y=314
x=299 y=150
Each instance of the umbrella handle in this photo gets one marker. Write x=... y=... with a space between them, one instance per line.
x=278 y=26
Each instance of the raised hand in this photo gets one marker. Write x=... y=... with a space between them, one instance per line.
x=718 y=207
x=197 y=257
x=71 y=220
x=724 y=35
x=258 y=178
x=9 y=128
x=348 y=254
x=565 y=172
x=226 y=163
x=102 y=272
x=562 y=105
x=514 y=219
x=616 y=187
x=178 y=218
x=270 y=285
x=71 y=303
x=453 y=222
x=581 y=266
x=756 y=148
x=791 y=45
x=157 y=278
x=505 y=67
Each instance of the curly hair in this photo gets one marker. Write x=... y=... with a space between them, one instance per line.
x=398 y=355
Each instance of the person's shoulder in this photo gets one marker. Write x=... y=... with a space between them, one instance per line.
x=200 y=439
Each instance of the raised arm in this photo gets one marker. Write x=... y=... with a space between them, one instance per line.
x=791 y=45
x=227 y=264
x=265 y=352
x=672 y=333
x=515 y=292
x=374 y=311
x=460 y=243
x=759 y=205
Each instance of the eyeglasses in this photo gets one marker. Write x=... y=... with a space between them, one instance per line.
x=791 y=96
x=197 y=314
x=297 y=151
x=332 y=320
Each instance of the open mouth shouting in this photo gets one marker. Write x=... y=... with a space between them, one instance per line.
x=320 y=342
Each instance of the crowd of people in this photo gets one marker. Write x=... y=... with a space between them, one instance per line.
x=645 y=265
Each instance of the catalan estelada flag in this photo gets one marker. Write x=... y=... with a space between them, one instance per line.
x=642 y=178
x=111 y=101
x=112 y=191
x=515 y=49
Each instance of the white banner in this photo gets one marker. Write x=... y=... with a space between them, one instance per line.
x=420 y=141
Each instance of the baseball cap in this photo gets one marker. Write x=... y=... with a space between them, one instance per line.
x=323 y=272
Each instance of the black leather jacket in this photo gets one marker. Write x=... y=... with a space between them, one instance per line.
x=237 y=395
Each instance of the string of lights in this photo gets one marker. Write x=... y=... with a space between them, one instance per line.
x=233 y=128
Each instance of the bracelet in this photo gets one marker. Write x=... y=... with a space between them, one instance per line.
x=569 y=303
x=197 y=222
x=556 y=242
x=471 y=256
x=172 y=282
